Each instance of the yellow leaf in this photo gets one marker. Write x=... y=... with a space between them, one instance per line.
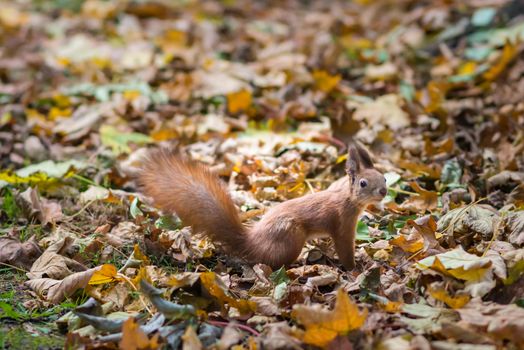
x=434 y=95
x=392 y=306
x=455 y=302
x=322 y=326
x=410 y=246
x=138 y=255
x=106 y=274
x=211 y=283
x=458 y=264
x=131 y=95
x=164 y=134
x=239 y=101
x=324 y=81
x=134 y=338
x=55 y=113
x=508 y=53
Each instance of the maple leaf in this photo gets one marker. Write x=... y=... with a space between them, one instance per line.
x=322 y=326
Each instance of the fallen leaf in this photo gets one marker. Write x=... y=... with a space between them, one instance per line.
x=239 y=101
x=385 y=110
x=106 y=273
x=455 y=302
x=53 y=264
x=422 y=202
x=456 y=263
x=20 y=254
x=57 y=290
x=508 y=54
x=45 y=210
x=514 y=224
x=119 y=141
x=213 y=285
x=134 y=338
x=322 y=326
x=191 y=341
x=324 y=81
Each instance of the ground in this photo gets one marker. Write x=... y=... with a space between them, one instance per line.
x=269 y=95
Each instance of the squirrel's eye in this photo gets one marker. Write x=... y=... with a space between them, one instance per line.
x=363 y=183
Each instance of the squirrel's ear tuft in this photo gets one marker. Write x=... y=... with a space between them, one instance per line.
x=353 y=162
x=365 y=158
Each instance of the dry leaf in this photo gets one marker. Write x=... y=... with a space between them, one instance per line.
x=322 y=326
x=16 y=253
x=57 y=290
x=324 y=81
x=239 y=101
x=455 y=302
x=107 y=273
x=52 y=264
x=134 y=338
x=191 y=341
x=214 y=286
x=424 y=200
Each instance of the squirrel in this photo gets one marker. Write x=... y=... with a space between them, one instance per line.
x=201 y=199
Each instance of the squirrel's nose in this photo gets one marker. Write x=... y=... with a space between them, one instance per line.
x=383 y=191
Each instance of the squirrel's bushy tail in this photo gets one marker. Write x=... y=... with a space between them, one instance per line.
x=196 y=195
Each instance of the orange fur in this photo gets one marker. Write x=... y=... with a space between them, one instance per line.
x=201 y=200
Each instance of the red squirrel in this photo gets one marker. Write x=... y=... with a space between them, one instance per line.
x=201 y=200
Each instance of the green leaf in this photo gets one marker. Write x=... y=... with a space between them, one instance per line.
x=9 y=205
x=134 y=209
x=280 y=279
x=363 y=232
x=168 y=222
x=118 y=141
x=279 y=276
x=52 y=169
x=451 y=173
x=483 y=17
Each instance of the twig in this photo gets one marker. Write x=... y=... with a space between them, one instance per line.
x=495 y=234
x=459 y=215
x=309 y=186
x=140 y=296
x=14 y=267
x=396 y=189
x=82 y=209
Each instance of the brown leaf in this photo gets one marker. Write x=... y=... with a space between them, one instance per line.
x=422 y=202
x=53 y=265
x=504 y=322
x=16 y=253
x=45 y=210
x=514 y=223
x=57 y=290
x=191 y=341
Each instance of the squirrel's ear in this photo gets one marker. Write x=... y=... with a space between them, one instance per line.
x=353 y=162
x=365 y=158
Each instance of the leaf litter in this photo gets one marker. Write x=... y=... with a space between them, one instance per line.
x=267 y=95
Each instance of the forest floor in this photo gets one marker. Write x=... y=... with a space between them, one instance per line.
x=268 y=94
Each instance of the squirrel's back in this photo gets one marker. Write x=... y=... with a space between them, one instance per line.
x=196 y=195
